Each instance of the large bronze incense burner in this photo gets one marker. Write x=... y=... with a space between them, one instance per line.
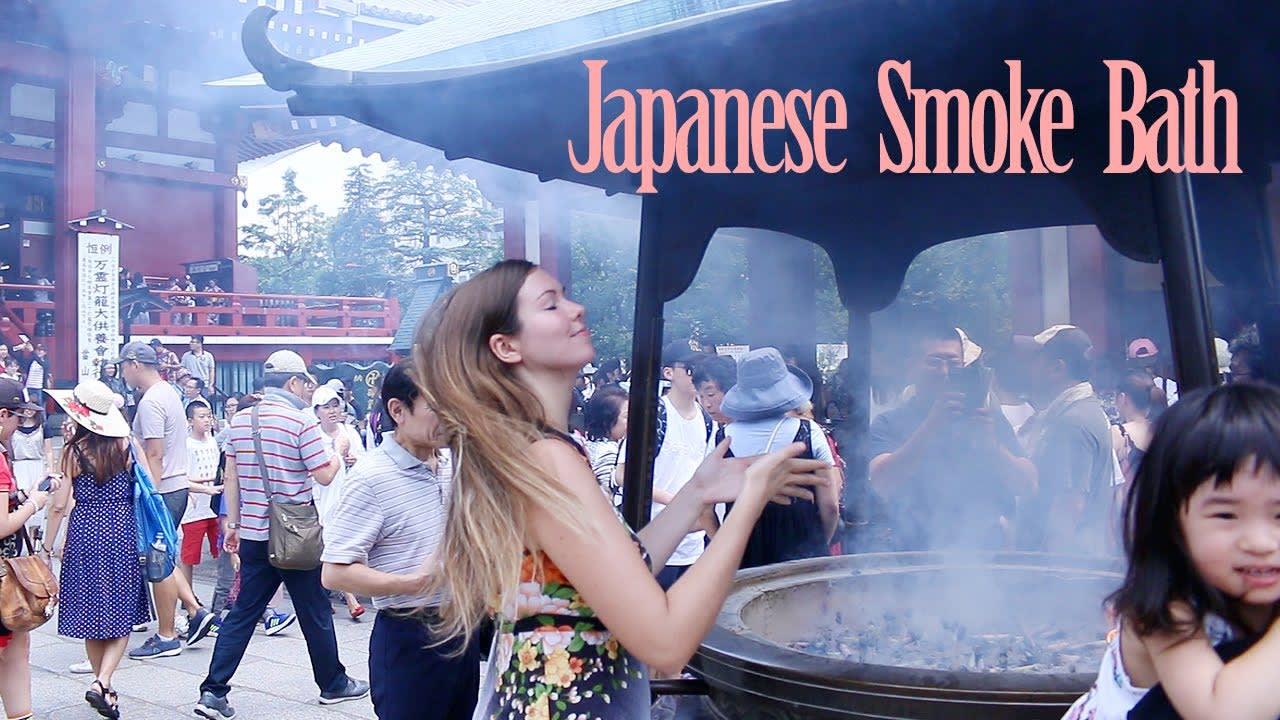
x=910 y=636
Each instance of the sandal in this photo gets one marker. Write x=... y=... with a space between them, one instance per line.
x=356 y=612
x=97 y=696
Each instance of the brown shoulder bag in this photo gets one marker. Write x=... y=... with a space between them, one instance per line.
x=28 y=590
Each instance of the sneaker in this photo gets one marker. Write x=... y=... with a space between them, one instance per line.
x=213 y=707
x=157 y=647
x=214 y=627
x=80 y=668
x=275 y=623
x=354 y=690
x=141 y=627
x=180 y=626
x=199 y=626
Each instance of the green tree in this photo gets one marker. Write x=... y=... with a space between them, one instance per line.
x=714 y=309
x=439 y=216
x=363 y=256
x=286 y=250
x=966 y=282
x=389 y=224
x=604 y=280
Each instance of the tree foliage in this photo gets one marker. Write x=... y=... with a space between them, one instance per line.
x=389 y=223
x=283 y=249
x=604 y=280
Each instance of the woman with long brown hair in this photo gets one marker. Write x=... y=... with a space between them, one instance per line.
x=103 y=593
x=531 y=537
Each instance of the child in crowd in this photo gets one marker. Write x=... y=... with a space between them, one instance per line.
x=200 y=522
x=1203 y=545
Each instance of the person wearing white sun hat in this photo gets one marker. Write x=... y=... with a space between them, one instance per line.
x=103 y=594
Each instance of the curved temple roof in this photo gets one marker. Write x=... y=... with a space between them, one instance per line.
x=521 y=113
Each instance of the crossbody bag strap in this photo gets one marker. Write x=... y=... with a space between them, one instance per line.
x=257 y=451
x=26 y=540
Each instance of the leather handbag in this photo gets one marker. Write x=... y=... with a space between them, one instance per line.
x=294 y=540
x=28 y=591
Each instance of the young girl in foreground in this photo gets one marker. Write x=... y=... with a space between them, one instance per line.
x=1202 y=536
x=531 y=536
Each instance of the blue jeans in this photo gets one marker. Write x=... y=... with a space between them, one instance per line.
x=258 y=582
x=409 y=680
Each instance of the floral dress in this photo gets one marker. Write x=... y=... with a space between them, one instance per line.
x=554 y=660
x=1113 y=694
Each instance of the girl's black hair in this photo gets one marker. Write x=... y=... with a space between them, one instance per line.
x=398 y=384
x=1204 y=437
x=602 y=411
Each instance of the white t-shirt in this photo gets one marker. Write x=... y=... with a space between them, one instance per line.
x=684 y=447
x=326 y=497
x=756 y=437
x=1170 y=389
x=202 y=464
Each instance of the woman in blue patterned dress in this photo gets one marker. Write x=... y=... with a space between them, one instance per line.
x=103 y=593
x=531 y=537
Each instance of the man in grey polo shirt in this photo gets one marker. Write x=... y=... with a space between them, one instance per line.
x=379 y=541
x=160 y=424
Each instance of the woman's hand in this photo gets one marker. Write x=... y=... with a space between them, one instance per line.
x=721 y=480
x=40 y=498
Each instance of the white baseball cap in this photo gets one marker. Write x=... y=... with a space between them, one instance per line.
x=287 y=362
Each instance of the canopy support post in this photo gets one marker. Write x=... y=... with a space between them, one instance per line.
x=855 y=431
x=1185 y=293
x=646 y=349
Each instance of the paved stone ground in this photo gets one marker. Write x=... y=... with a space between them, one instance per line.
x=274 y=680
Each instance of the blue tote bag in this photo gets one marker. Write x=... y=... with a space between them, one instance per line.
x=157 y=537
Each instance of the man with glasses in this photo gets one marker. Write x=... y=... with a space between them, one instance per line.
x=686 y=435
x=160 y=424
x=945 y=468
x=294 y=458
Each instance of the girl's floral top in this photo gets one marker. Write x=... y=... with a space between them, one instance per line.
x=554 y=660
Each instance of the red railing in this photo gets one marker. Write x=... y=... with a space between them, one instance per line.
x=257 y=314
x=224 y=314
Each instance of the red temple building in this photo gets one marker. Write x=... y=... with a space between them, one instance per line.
x=104 y=112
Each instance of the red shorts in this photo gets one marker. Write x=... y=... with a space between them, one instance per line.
x=193 y=533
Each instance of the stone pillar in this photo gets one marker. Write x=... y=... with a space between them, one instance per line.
x=75 y=196
x=555 y=252
x=1086 y=253
x=226 y=201
x=1026 y=286
x=512 y=230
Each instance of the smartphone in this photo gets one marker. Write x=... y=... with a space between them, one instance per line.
x=45 y=485
x=975 y=382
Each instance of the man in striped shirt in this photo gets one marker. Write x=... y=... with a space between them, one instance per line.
x=379 y=541
x=294 y=454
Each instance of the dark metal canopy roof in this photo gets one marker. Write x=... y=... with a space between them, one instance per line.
x=520 y=114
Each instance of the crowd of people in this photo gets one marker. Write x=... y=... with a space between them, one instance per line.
x=480 y=512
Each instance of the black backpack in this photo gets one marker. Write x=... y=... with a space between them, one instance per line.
x=662 y=424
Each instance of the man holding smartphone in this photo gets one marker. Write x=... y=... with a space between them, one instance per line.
x=945 y=467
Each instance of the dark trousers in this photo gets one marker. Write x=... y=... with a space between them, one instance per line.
x=410 y=680
x=669 y=574
x=258 y=582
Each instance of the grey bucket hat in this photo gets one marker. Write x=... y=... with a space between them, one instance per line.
x=766 y=387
